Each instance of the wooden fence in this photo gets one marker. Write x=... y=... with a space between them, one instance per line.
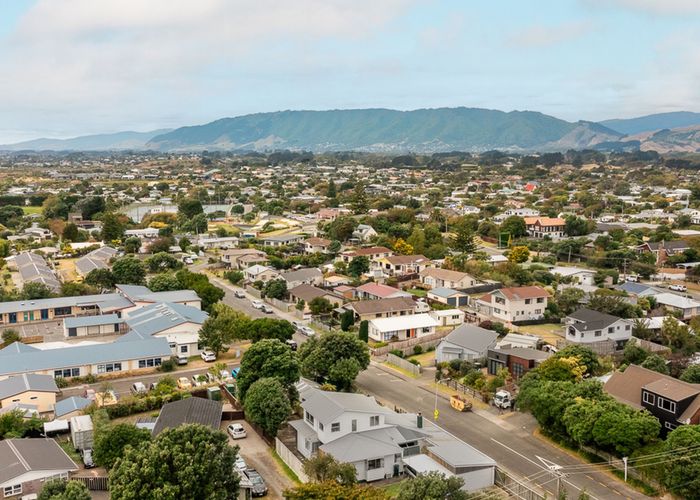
x=464 y=389
x=292 y=461
x=393 y=359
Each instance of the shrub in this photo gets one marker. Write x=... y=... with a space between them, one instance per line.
x=418 y=349
x=168 y=365
x=61 y=383
x=414 y=362
x=397 y=352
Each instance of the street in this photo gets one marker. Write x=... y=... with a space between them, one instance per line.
x=507 y=439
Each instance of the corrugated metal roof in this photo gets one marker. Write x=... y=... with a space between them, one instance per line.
x=156 y=318
x=26 y=382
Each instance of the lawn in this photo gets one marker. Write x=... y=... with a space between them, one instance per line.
x=392 y=489
x=32 y=210
x=417 y=292
x=425 y=359
x=549 y=332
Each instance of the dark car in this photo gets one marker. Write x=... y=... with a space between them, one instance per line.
x=259 y=487
x=292 y=344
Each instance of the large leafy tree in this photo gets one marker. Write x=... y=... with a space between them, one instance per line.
x=515 y=226
x=269 y=328
x=267 y=405
x=336 y=358
x=223 y=326
x=268 y=358
x=320 y=305
x=129 y=270
x=463 y=238
x=432 y=486
x=190 y=461
x=112 y=227
x=162 y=262
x=323 y=467
x=208 y=293
x=164 y=282
x=275 y=289
x=111 y=441
x=59 y=489
x=189 y=207
x=358 y=266
x=585 y=356
x=682 y=469
x=101 y=278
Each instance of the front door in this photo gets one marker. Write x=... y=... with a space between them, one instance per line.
x=44 y=314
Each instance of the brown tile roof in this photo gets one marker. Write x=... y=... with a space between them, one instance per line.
x=627 y=386
x=544 y=221
x=444 y=274
x=367 y=251
x=673 y=389
x=383 y=305
x=523 y=292
x=318 y=242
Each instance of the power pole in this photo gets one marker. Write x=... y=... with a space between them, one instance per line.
x=555 y=470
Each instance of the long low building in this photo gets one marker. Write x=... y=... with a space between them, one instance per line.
x=83 y=326
x=402 y=327
x=125 y=354
x=27 y=311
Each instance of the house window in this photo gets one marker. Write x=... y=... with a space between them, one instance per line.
x=538 y=311
x=528 y=301
x=667 y=405
x=540 y=300
x=354 y=425
x=109 y=367
x=648 y=398
x=183 y=349
x=374 y=420
x=309 y=418
x=67 y=372
x=335 y=427
x=598 y=333
x=320 y=426
x=149 y=363
x=15 y=489
x=627 y=327
x=670 y=426
x=374 y=464
x=611 y=330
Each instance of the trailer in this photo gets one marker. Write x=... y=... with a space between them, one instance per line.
x=459 y=403
x=81 y=432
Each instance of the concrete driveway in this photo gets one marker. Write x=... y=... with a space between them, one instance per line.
x=258 y=456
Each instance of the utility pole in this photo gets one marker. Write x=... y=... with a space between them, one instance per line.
x=624 y=460
x=555 y=470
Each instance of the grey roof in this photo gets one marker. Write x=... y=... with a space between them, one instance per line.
x=284 y=237
x=302 y=274
x=365 y=445
x=103 y=301
x=327 y=406
x=189 y=411
x=19 y=456
x=17 y=348
x=524 y=353
x=393 y=304
x=102 y=319
x=445 y=292
x=634 y=288
x=71 y=404
x=143 y=294
x=589 y=319
x=472 y=337
x=155 y=318
x=12 y=386
x=82 y=355
x=97 y=259
x=33 y=268
x=460 y=454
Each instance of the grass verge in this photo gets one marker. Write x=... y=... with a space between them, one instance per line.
x=392 y=489
x=289 y=472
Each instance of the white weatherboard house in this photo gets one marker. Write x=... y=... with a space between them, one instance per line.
x=402 y=327
x=587 y=326
x=379 y=443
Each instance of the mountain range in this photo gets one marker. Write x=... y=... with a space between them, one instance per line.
x=391 y=131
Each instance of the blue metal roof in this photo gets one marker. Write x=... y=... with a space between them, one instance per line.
x=444 y=292
x=73 y=403
x=156 y=318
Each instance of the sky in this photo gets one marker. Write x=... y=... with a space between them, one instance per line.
x=75 y=67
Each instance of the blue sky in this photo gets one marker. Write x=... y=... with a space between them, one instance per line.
x=72 y=67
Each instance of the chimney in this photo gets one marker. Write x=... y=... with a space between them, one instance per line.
x=419 y=420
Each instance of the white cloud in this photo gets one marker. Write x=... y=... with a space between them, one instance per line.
x=539 y=36
x=113 y=62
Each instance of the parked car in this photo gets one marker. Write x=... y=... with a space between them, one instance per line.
x=184 y=383
x=182 y=359
x=239 y=294
x=259 y=487
x=292 y=344
x=305 y=330
x=240 y=464
x=198 y=381
x=208 y=356
x=138 y=388
x=257 y=304
x=266 y=309
x=86 y=455
x=236 y=431
x=297 y=324
x=632 y=278
x=678 y=288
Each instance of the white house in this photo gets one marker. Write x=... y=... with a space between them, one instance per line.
x=578 y=275
x=587 y=326
x=445 y=278
x=514 y=304
x=402 y=327
x=380 y=443
x=448 y=317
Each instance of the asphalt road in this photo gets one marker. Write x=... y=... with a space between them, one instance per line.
x=508 y=440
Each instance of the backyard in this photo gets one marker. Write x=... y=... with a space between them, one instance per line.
x=549 y=332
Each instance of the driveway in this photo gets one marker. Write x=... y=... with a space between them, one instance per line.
x=258 y=456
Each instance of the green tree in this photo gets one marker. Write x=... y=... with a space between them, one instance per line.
x=347 y=319
x=633 y=354
x=162 y=262
x=691 y=374
x=10 y=336
x=320 y=305
x=184 y=243
x=60 y=489
x=161 y=245
x=585 y=356
x=358 y=266
x=111 y=441
x=132 y=244
x=323 y=467
x=267 y=405
x=656 y=363
x=331 y=192
x=189 y=207
x=337 y=358
x=164 y=282
x=515 y=226
x=364 y=331
x=432 y=486
x=463 y=239
x=208 y=293
x=267 y=358
x=128 y=270
x=223 y=326
x=189 y=461
x=112 y=227
x=33 y=290
x=682 y=472
x=100 y=278
x=341 y=229
x=519 y=254
x=270 y=328
x=70 y=232
x=275 y=289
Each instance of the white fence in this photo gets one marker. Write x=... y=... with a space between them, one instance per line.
x=393 y=359
x=292 y=461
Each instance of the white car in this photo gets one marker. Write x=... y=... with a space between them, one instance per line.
x=240 y=464
x=257 y=304
x=239 y=294
x=236 y=431
x=678 y=288
x=208 y=356
x=305 y=330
